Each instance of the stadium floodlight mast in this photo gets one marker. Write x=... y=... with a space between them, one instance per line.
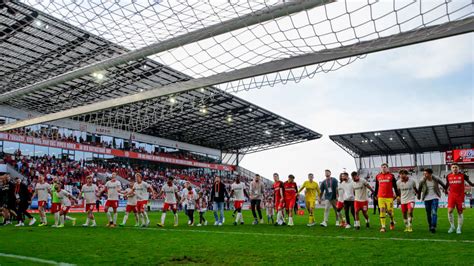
x=402 y=39
x=271 y=13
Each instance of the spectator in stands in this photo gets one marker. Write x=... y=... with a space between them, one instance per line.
x=430 y=193
x=218 y=195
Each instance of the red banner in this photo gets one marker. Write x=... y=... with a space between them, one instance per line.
x=114 y=152
x=460 y=156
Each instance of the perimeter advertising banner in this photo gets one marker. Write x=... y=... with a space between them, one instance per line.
x=463 y=156
x=114 y=152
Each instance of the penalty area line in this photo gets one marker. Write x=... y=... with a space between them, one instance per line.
x=38 y=260
x=314 y=236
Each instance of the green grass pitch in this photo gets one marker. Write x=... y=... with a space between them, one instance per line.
x=236 y=245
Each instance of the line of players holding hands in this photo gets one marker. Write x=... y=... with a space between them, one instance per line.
x=285 y=194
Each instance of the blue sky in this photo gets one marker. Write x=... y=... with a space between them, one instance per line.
x=424 y=84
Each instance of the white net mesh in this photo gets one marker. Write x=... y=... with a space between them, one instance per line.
x=102 y=30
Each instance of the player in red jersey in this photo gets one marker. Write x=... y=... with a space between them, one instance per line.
x=291 y=194
x=456 y=187
x=278 y=196
x=385 y=185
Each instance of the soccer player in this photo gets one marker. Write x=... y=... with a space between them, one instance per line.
x=385 y=185
x=89 y=194
x=131 y=204
x=201 y=204
x=4 y=198
x=171 y=198
x=55 y=201
x=142 y=190
x=238 y=191
x=311 y=193
x=291 y=194
x=407 y=191
x=361 y=199
x=113 y=187
x=65 y=197
x=279 y=199
x=340 y=203
x=42 y=190
x=455 y=184
x=329 y=194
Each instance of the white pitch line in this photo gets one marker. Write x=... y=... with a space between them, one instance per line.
x=316 y=236
x=13 y=256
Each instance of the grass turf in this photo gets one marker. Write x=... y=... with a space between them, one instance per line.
x=243 y=244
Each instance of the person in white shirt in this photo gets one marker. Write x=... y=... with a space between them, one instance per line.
x=89 y=195
x=238 y=192
x=348 y=198
x=65 y=197
x=113 y=187
x=408 y=192
x=190 y=199
x=42 y=190
x=340 y=203
x=170 y=191
x=361 y=199
x=131 y=204
x=142 y=190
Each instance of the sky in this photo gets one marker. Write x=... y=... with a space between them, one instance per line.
x=424 y=84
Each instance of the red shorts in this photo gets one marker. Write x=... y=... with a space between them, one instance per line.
x=456 y=201
x=290 y=203
x=41 y=203
x=131 y=208
x=238 y=204
x=167 y=206
x=65 y=210
x=55 y=207
x=408 y=206
x=340 y=205
x=90 y=207
x=361 y=205
x=112 y=204
x=141 y=205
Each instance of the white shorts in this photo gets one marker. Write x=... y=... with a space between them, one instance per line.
x=202 y=210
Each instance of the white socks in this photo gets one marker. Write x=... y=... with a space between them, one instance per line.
x=460 y=220
x=175 y=218
x=163 y=216
x=145 y=214
x=115 y=218
x=451 y=219
x=56 y=218
x=109 y=217
x=61 y=218
x=125 y=218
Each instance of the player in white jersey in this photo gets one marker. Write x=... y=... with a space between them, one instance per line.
x=65 y=197
x=131 y=204
x=170 y=191
x=340 y=203
x=89 y=194
x=113 y=187
x=142 y=190
x=361 y=199
x=42 y=190
x=237 y=191
x=408 y=192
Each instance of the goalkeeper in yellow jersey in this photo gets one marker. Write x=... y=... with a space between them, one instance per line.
x=311 y=193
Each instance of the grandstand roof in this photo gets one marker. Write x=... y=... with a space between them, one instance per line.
x=36 y=46
x=407 y=140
